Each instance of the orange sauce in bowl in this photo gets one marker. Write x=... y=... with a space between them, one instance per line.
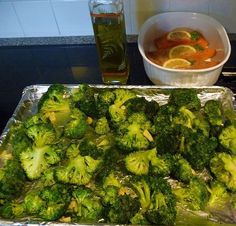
x=183 y=43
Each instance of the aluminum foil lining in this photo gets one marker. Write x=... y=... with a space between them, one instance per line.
x=28 y=106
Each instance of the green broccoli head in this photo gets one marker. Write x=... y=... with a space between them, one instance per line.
x=56 y=198
x=223 y=166
x=227 y=138
x=77 y=126
x=84 y=96
x=161 y=165
x=35 y=160
x=193 y=196
x=182 y=170
x=213 y=111
x=42 y=134
x=96 y=145
x=78 y=170
x=55 y=105
x=12 y=180
x=19 y=141
x=102 y=126
x=187 y=98
x=33 y=202
x=219 y=196
x=87 y=206
x=162 y=209
x=12 y=210
x=104 y=100
x=199 y=149
x=133 y=135
x=141 y=104
x=138 y=162
x=49 y=203
x=123 y=209
x=117 y=111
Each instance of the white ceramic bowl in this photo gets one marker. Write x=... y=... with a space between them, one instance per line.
x=211 y=29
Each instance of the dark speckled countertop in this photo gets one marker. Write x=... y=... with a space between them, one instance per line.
x=24 y=65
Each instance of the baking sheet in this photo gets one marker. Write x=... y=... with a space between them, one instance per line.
x=28 y=106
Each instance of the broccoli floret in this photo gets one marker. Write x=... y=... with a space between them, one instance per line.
x=184 y=117
x=77 y=126
x=84 y=96
x=141 y=104
x=33 y=202
x=48 y=203
x=123 y=209
x=12 y=210
x=134 y=134
x=35 y=160
x=213 y=111
x=227 y=138
x=56 y=199
x=139 y=219
x=143 y=191
x=199 y=149
x=218 y=196
x=42 y=153
x=95 y=145
x=42 y=135
x=19 y=141
x=78 y=170
x=193 y=196
x=223 y=166
x=102 y=126
x=157 y=201
x=161 y=165
x=138 y=162
x=182 y=170
x=117 y=111
x=85 y=206
x=187 y=98
x=12 y=180
x=56 y=104
x=104 y=100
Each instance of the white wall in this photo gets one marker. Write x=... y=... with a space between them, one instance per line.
x=48 y=18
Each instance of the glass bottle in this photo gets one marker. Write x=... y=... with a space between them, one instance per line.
x=109 y=31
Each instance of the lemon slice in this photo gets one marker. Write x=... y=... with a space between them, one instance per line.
x=176 y=63
x=181 y=51
x=178 y=35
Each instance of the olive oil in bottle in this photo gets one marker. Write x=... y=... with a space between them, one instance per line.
x=110 y=36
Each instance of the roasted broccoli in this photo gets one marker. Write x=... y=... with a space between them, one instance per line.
x=138 y=162
x=105 y=99
x=162 y=209
x=223 y=166
x=187 y=98
x=193 y=196
x=199 y=149
x=84 y=97
x=213 y=111
x=182 y=170
x=134 y=133
x=56 y=104
x=227 y=138
x=12 y=180
x=78 y=170
x=85 y=206
x=117 y=111
x=98 y=156
x=43 y=152
x=102 y=126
